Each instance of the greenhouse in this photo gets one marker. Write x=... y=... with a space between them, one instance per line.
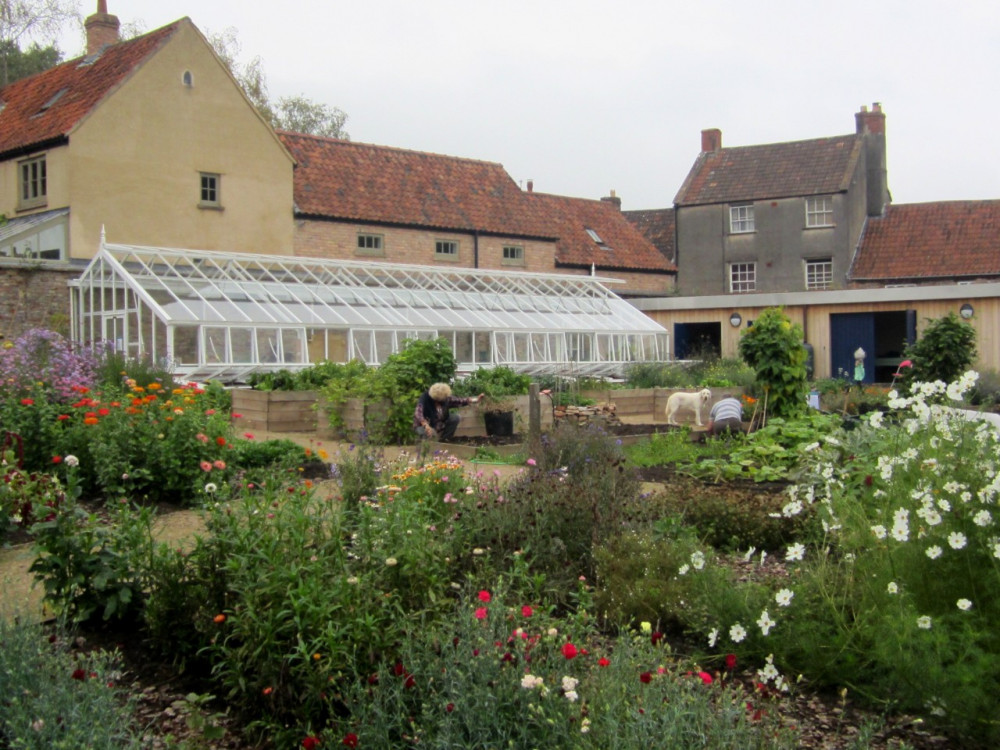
x=219 y=315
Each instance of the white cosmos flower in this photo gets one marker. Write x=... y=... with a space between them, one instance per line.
x=924 y=622
x=713 y=636
x=72 y=460
x=933 y=552
x=892 y=588
x=737 y=633
x=796 y=552
x=956 y=540
x=982 y=518
x=879 y=531
x=765 y=623
x=784 y=597
x=697 y=560
x=963 y=604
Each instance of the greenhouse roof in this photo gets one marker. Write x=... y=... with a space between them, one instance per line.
x=202 y=287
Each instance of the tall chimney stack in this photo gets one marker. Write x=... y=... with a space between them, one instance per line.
x=102 y=29
x=711 y=140
x=871 y=128
x=531 y=186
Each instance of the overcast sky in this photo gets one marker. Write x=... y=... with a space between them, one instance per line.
x=584 y=97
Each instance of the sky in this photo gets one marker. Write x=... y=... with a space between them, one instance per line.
x=583 y=97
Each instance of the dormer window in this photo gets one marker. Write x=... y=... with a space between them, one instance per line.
x=741 y=219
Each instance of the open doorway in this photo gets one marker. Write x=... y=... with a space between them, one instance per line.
x=883 y=336
x=697 y=340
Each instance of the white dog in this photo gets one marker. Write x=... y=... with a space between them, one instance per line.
x=692 y=401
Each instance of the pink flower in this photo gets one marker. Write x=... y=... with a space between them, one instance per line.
x=527 y=611
x=202 y=437
x=205 y=466
x=569 y=651
x=484 y=596
x=247 y=435
x=481 y=613
x=219 y=464
x=705 y=677
x=531 y=462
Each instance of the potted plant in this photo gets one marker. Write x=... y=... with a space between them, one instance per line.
x=499 y=385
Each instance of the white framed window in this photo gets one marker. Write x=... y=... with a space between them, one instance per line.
x=33 y=187
x=211 y=190
x=513 y=255
x=446 y=250
x=370 y=244
x=819 y=273
x=819 y=211
x=741 y=219
x=742 y=278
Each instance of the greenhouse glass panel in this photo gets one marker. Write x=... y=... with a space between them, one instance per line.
x=215 y=345
x=385 y=345
x=293 y=345
x=242 y=343
x=521 y=347
x=505 y=347
x=539 y=353
x=267 y=345
x=484 y=349
x=186 y=345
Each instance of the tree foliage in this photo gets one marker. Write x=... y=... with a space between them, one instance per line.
x=295 y=113
x=18 y=64
x=774 y=348
x=945 y=350
x=23 y=20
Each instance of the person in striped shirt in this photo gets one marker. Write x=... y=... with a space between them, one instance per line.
x=726 y=416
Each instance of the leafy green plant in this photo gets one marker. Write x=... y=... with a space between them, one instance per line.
x=774 y=348
x=945 y=349
x=55 y=698
x=496 y=384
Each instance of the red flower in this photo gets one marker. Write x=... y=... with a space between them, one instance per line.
x=656 y=637
x=79 y=674
x=409 y=682
x=104 y=412
x=450 y=707
x=646 y=678
x=527 y=611
x=868 y=480
x=481 y=613
x=268 y=690
x=248 y=435
x=397 y=669
x=602 y=662
x=730 y=661
x=57 y=459
x=237 y=416
x=350 y=740
x=705 y=677
x=220 y=440
x=569 y=651
x=484 y=596
x=311 y=743
x=63 y=417
x=26 y=402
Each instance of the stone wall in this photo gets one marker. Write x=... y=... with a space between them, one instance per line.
x=33 y=296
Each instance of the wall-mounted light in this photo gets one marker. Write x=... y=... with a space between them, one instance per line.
x=966 y=311
x=735 y=319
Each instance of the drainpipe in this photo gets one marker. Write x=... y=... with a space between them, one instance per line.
x=475 y=248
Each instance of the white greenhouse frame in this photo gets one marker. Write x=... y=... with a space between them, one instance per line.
x=219 y=315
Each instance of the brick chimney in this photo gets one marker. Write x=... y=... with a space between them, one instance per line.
x=871 y=127
x=102 y=29
x=531 y=186
x=711 y=140
x=614 y=200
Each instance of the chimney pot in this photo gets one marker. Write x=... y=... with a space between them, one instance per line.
x=711 y=140
x=614 y=200
x=531 y=186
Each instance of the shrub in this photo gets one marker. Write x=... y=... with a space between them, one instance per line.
x=774 y=348
x=945 y=350
x=496 y=384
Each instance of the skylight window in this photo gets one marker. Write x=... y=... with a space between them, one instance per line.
x=55 y=97
x=594 y=236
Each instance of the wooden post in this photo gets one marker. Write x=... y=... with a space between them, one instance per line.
x=534 y=415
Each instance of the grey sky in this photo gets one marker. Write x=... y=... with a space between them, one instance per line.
x=584 y=97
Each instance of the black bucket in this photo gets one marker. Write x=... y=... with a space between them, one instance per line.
x=499 y=423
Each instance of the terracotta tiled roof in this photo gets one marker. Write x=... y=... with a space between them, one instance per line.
x=621 y=245
x=46 y=107
x=776 y=170
x=657 y=226
x=947 y=239
x=361 y=182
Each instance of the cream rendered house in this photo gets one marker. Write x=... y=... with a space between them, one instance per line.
x=150 y=139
